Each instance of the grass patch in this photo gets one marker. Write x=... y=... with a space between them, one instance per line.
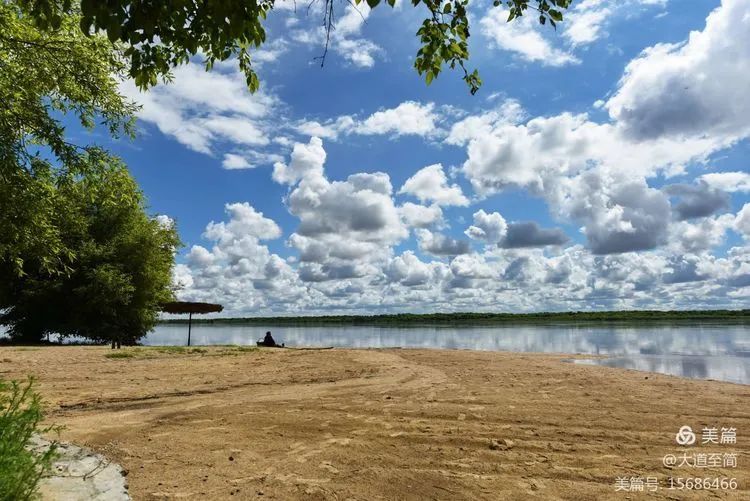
x=234 y=350
x=20 y=418
x=177 y=350
x=120 y=354
x=155 y=351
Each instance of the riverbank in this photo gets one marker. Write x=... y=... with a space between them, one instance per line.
x=379 y=424
x=624 y=317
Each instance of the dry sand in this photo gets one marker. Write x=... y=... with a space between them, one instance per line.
x=381 y=424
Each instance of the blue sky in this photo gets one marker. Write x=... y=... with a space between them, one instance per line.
x=603 y=165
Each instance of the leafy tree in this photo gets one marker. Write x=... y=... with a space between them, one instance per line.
x=78 y=253
x=45 y=73
x=162 y=34
x=121 y=270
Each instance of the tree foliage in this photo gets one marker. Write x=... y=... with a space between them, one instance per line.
x=78 y=253
x=160 y=35
x=45 y=73
x=121 y=267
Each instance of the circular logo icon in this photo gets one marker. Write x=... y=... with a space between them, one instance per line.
x=685 y=436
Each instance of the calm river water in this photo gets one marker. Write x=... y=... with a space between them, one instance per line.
x=703 y=351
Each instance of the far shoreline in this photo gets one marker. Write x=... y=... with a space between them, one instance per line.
x=486 y=319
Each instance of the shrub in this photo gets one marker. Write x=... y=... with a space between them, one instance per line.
x=20 y=418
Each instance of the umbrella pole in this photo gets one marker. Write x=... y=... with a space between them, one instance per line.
x=190 y=323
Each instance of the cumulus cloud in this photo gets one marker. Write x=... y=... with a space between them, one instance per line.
x=509 y=112
x=345 y=226
x=645 y=247
x=306 y=161
x=408 y=118
x=619 y=214
x=408 y=270
x=431 y=184
x=244 y=220
x=682 y=269
x=530 y=234
x=523 y=37
x=597 y=174
x=420 y=216
x=490 y=228
x=728 y=181
x=742 y=222
x=201 y=109
x=694 y=88
x=438 y=244
x=239 y=269
x=699 y=235
x=699 y=200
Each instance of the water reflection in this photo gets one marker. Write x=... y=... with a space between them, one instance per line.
x=724 y=368
x=698 y=351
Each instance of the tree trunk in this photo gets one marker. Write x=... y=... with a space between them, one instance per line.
x=190 y=324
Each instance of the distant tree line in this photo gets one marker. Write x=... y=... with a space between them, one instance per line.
x=489 y=318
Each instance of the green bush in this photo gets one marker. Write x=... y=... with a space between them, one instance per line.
x=20 y=418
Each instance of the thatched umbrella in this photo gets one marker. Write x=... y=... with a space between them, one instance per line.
x=182 y=307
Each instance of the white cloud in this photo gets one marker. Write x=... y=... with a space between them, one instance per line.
x=489 y=228
x=510 y=112
x=359 y=51
x=431 y=184
x=742 y=222
x=345 y=39
x=438 y=244
x=233 y=162
x=420 y=216
x=728 y=181
x=244 y=220
x=691 y=89
x=645 y=247
x=306 y=160
x=702 y=235
x=408 y=118
x=523 y=37
x=408 y=270
x=587 y=172
x=346 y=227
x=203 y=110
x=239 y=271
x=586 y=22
x=316 y=129
x=271 y=51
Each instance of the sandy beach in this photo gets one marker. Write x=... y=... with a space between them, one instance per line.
x=220 y=423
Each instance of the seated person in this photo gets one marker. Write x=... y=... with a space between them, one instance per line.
x=268 y=340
